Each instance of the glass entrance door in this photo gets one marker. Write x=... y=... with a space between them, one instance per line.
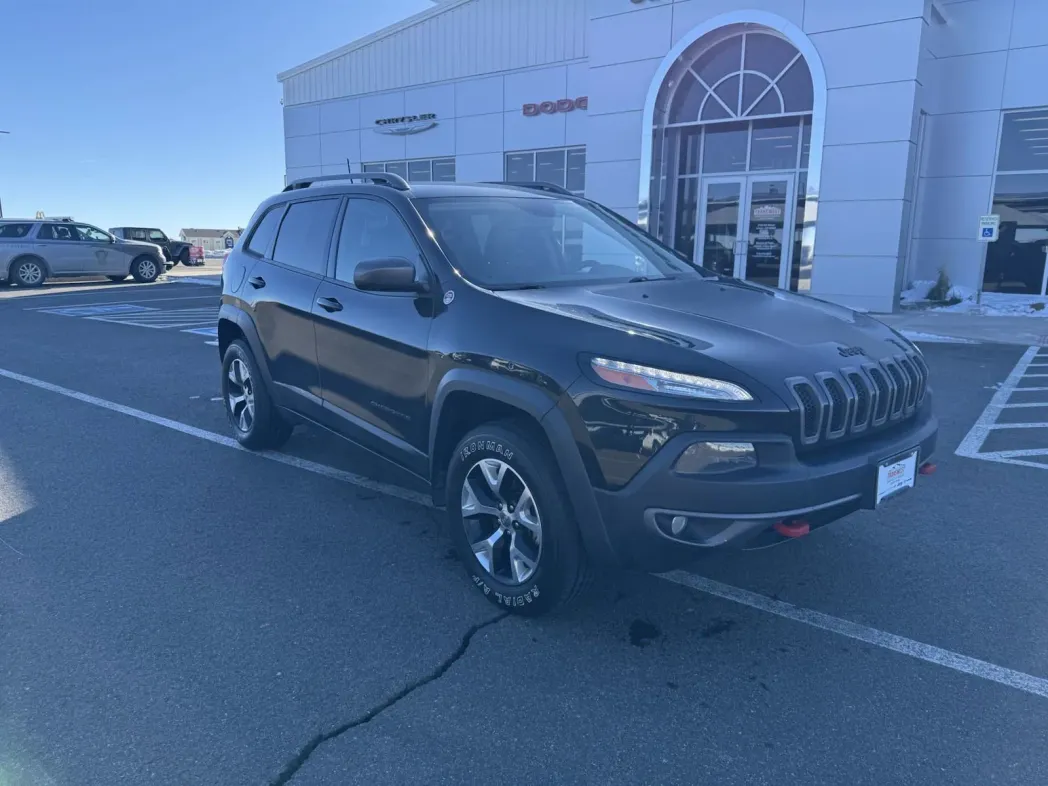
x=718 y=243
x=745 y=227
x=769 y=211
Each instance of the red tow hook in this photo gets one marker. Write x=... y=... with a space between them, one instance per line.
x=793 y=529
x=927 y=468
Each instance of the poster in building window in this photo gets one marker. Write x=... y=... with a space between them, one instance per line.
x=766 y=224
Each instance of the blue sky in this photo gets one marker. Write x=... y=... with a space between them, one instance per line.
x=158 y=112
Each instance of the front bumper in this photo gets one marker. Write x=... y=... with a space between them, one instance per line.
x=740 y=509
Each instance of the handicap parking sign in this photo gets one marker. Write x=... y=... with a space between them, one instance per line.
x=989 y=226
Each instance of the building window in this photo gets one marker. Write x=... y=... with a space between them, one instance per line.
x=564 y=167
x=1016 y=263
x=730 y=153
x=421 y=170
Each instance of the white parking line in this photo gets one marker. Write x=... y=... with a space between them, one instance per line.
x=112 y=302
x=933 y=338
x=219 y=439
x=971 y=445
x=162 y=320
x=1027 y=683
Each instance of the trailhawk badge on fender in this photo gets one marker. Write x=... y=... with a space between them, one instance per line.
x=449 y=297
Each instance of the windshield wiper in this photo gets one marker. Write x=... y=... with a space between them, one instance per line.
x=642 y=279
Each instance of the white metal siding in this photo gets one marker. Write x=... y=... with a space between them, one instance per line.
x=477 y=37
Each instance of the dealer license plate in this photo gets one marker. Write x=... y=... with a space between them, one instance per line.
x=896 y=475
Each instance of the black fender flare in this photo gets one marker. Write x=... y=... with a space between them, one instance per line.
x=227 y=312
x=542 y=407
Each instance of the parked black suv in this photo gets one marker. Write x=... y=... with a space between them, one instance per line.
x=175 y=251
x=573 y=392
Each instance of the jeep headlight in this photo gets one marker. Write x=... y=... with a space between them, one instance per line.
x=671 y=383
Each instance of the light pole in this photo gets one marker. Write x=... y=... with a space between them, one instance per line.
x=1 y=201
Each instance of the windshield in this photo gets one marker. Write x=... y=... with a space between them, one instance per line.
x=518 y=242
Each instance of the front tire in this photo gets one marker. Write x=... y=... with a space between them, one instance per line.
x=145 y=269
x=28 y=272
x=256 y=423
x=511 y=521
x=183 y=258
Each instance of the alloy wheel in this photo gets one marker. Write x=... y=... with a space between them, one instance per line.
x=240 y=396
x=502 y=521
x=30 y=273
x=147 y=268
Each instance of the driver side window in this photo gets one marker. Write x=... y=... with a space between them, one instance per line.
x=91 y=234
x=371 y=230
x=157 y=235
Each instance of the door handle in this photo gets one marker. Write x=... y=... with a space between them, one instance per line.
x=329 y=304
x=257 y=282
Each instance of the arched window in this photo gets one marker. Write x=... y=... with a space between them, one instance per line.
x=731 y=146
x=742 y=75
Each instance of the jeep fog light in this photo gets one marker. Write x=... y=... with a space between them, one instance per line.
x=712 y=458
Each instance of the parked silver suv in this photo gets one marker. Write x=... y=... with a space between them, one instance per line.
x=32 y=251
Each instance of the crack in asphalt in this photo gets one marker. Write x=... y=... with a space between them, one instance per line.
x=307 y=750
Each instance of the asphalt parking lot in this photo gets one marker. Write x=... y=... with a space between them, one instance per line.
x=174 y=610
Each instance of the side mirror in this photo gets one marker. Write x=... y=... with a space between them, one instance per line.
x=394 y=274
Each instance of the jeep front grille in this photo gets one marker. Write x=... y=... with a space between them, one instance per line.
x=837 y=404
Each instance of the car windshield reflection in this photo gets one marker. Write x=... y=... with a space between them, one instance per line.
x=538 y=242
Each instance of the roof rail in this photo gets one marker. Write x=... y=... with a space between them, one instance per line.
x=382 y=178
x=535 y=186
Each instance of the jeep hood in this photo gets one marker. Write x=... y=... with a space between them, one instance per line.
x=745 y=325
x=138 y=243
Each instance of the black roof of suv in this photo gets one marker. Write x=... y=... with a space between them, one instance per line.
x=571 y=391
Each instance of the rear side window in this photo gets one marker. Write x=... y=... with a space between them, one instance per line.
x=57 y=232
x=14 y=231
x=304 y=234
x=266 y=229
x=138 y=234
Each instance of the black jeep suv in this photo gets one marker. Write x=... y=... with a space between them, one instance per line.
x=573 y=392
x=175 y=251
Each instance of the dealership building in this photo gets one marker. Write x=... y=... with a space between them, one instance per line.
x=842 y=148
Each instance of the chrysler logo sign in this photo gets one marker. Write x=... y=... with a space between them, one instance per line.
x=552 y=107
x=402 y=126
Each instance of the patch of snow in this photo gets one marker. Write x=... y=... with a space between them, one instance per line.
x=932 y=338
x=918 y=292
x=995 y=304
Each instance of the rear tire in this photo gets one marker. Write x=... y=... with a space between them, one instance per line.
x=117 y=278
x=256 y=422
x=538 y=562
x=28 y=272
x=184 y=258
x=145 y=269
